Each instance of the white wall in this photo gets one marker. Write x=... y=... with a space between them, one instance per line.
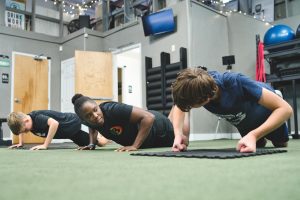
x=67 y=84
x=130 y=62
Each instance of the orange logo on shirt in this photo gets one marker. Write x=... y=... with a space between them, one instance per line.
x=116 y=130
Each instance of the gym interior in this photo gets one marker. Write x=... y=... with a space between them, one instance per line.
x=130 y=52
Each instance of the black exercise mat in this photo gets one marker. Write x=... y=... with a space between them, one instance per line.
x=210 y=153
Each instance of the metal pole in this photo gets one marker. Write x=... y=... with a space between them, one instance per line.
x=33 y=15
x=126 y=11
x=286 y=9
x=105 y=14
x=2 y=13
x=296 y=135
x=61 y=20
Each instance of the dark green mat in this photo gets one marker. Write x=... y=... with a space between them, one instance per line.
x=210 y=153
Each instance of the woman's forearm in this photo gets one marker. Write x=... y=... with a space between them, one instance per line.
x=145 y=127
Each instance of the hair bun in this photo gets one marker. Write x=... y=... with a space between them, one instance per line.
x=75 y=97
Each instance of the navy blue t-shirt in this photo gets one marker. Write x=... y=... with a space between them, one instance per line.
x=239 y=101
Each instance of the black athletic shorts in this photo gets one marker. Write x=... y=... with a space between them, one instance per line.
x=161 y=133
x=81 y=138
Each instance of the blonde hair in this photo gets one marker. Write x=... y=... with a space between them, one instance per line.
x=15 y=122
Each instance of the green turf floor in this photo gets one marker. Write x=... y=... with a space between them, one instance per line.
x=104 y=174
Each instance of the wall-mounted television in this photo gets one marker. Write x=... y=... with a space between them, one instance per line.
x=159 y=22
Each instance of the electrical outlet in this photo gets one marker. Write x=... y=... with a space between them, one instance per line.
x=173 y=48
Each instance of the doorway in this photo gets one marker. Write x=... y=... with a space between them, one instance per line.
x=127 y=64
x=30 y=88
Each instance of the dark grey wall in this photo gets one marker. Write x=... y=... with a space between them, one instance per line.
x=70 y=43
x=94 y=41
x=31 y=43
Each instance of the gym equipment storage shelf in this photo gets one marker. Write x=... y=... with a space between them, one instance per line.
x=284 y=60
x=159 y=81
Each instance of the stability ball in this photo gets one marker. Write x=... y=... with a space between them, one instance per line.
x=278 y=34
x=298 y=32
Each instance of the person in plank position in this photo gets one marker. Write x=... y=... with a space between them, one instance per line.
x=49 y=124
x=127 y=125
x=252 y=107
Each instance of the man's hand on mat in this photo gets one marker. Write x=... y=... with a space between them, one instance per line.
x=39 y=147
x=16 y=146
x=126 y=148
x=180 y=143
x=247 y=144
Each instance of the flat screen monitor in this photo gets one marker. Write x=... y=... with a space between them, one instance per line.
x=159 y=22
x=228 y=60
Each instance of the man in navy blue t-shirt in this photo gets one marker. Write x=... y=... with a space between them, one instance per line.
x=251 y=106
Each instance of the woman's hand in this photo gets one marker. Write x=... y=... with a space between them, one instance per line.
x=39 y=147
x=126 y=149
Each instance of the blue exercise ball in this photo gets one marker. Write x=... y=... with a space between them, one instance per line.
x=278 y=34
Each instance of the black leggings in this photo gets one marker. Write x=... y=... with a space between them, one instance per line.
x=81 y=138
